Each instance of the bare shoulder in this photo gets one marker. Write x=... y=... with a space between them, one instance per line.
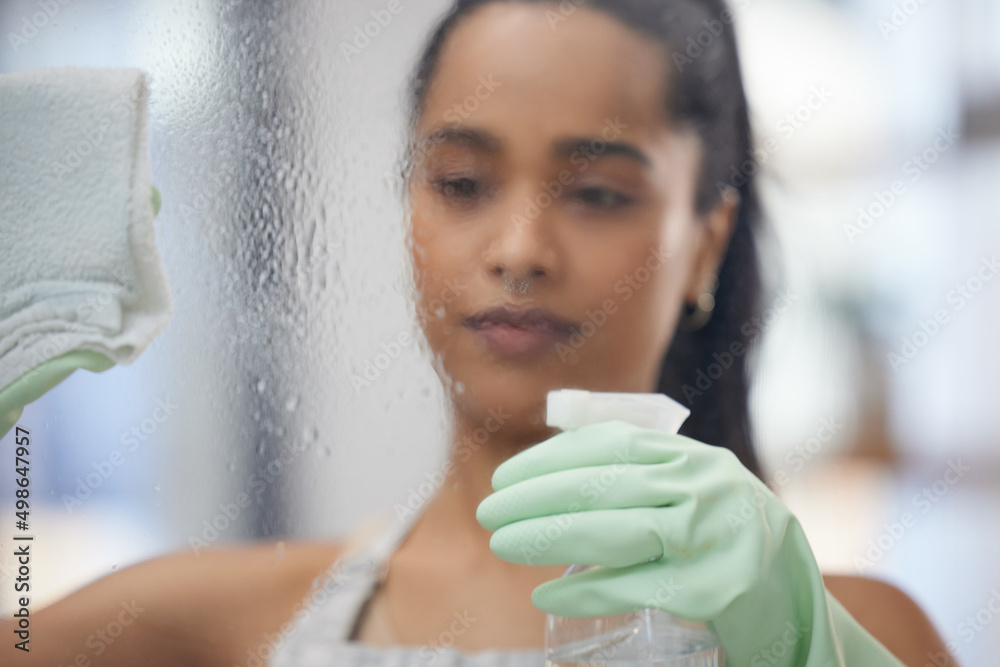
x=230 y=600
x=181 y=608
x=891 y=616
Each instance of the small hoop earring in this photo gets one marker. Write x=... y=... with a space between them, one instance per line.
x=696 y=315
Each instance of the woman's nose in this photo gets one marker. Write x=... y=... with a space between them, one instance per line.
x=522 y=247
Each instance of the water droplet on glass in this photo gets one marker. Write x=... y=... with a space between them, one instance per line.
x=156 y=488
x=292 y=404
x=459 y=387
x=232 y=466
x=261 y=386
x=256 y=415
x=115 y=566
x=261 y=447
x=439 y=312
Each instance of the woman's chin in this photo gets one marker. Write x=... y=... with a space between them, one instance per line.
x=516 y=408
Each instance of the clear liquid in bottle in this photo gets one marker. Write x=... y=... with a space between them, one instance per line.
x=643 y=638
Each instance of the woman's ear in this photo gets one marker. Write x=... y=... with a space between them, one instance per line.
x=715 y=229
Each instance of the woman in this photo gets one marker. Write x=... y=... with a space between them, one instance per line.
x=569 y=164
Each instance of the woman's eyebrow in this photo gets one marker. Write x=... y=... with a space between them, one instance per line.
x=596 y=146
x=469 y=137
x=485 y=140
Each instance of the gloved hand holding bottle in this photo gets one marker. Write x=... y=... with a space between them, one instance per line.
x=727 y=551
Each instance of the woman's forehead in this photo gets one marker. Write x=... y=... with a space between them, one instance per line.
x=505 y=65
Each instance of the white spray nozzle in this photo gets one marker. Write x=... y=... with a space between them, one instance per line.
x=569 y=408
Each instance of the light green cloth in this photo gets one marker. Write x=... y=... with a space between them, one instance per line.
x=727 y=551
x=35 y=383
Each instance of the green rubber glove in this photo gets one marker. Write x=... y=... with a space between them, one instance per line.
x=727 y=551
x=39 y=380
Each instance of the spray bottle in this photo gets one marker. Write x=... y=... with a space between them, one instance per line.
x=650 y=637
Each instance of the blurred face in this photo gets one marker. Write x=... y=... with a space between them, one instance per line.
x=546 y=155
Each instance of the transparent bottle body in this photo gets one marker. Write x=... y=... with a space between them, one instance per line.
x=646 y=637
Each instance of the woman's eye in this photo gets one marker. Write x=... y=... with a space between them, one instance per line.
x=603 y=198
x=463 y=189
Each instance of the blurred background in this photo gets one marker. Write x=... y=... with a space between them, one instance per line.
x=274 y=130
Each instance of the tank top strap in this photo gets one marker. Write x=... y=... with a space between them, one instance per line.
x=331 y=609
x=320 y=633
x=377 y=538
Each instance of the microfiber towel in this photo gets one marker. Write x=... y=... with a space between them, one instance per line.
x=79 y=266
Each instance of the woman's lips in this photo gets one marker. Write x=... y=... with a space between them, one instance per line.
x=510 y=341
